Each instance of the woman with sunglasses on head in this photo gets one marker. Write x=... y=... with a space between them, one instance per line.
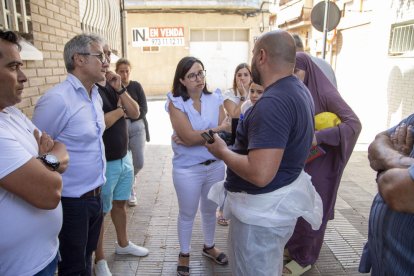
x=194 y=110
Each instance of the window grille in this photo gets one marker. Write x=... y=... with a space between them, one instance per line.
x=15 y=16
x=401 y=39
x=102 y=17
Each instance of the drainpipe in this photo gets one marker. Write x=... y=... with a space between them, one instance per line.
x=123 y=30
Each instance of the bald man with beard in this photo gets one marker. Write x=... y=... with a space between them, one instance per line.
x=267 y=189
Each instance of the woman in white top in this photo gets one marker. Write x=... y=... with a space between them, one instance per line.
x=237 y=95
x=194 y=110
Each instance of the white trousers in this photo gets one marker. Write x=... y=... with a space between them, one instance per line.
x=256 y=250
x=192 y=186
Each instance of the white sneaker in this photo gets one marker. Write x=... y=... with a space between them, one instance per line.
x=131 y=249
x=101 y=268
x=132 y=201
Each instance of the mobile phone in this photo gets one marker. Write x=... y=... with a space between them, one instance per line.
x=208 y=137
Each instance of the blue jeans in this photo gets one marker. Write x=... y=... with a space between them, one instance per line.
x=50 y=269
x=82 y=220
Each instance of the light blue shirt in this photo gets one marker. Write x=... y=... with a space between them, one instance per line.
x=208 y=118
x=69 y=116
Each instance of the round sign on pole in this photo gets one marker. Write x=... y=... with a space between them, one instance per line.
x=318 y=15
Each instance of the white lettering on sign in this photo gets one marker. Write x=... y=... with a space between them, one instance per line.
x=157 y=36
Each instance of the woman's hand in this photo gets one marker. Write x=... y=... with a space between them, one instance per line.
x=177 y=140
x=226 y=124
x=314 y=141
x=242 y=90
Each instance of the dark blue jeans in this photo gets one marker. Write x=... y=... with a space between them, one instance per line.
x=50 y=269
x=82 y=220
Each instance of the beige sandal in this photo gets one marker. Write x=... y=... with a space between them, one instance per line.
x=295 y=269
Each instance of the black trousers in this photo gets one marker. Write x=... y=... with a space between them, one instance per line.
x=82 y=220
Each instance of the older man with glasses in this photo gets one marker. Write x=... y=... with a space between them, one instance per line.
x=71 y=113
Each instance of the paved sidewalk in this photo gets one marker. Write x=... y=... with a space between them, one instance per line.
x=153 y=222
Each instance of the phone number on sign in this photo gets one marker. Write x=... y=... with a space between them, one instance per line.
x=170 y=41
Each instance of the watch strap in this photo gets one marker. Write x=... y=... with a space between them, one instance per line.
x=122 y=91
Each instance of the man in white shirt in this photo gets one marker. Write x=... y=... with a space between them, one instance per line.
x=30 y=183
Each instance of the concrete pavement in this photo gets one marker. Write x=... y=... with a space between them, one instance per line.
x=153 y=222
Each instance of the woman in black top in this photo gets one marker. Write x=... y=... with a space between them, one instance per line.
x=137 y=128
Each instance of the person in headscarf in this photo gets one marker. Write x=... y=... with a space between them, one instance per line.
x=326 y=171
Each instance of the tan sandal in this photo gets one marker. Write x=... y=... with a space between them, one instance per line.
x=295 y=269
x=183 y=270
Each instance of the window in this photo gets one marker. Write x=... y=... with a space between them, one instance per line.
x=219 y=35
x=102 y=17
x=401 y=39
x=15 y=16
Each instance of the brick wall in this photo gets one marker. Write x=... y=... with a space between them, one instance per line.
x=54 y=23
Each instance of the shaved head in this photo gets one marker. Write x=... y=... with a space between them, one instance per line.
x=274 y=56
x=279 y=45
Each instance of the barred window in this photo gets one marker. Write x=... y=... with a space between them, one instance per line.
x=102 y=17
x=15 y=16
x=401 y=39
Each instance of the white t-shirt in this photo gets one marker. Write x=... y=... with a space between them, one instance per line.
x=229 y=95
x=28 y=235
x=245 y=106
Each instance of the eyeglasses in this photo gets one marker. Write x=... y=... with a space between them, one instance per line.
x=193 y=76
x=101 y=56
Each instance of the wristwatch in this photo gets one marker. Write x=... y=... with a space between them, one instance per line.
x=123 y=108
x=242 y=98
x=50 y=160
x=122 y=91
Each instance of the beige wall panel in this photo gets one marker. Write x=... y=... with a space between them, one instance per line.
x=378 y=87
x=155 y=70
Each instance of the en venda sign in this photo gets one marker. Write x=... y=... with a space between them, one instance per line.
x=157 y=36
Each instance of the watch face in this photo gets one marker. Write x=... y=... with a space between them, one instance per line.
x=51 y=158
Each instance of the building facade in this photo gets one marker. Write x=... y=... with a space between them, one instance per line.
x=46 y=25
x=371 y=51
x=219 y=33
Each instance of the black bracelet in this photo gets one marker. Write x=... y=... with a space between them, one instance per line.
x=122 y=91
